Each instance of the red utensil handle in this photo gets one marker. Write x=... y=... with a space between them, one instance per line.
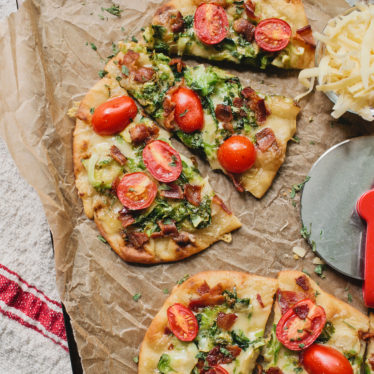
x=365 y=208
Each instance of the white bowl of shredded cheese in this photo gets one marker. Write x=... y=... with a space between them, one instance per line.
x=345 y=62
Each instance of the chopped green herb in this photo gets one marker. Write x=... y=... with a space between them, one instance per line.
x=165 y=291
x=93 y=46
x=184 y=113
x=102 y=239
x=134 y=39
x=125 y=70
x=164 y=364
x=137 y=296
x=349 y=325
x=349 y=297
x=298 y=187
x=319 y=270
x=296 y=139
x=101 y=17
x=302 y=345
x=327 y=333
x=92 y=110
x=306 y=272
x=173 y=162
x=136 y=359
x=118 y=78
x=182 y=280
x=114 y=10
x=312 y=142
x=298 y=370
x=102 y=73
x=305 y=233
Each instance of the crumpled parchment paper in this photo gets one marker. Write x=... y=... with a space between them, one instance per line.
x=46 y=63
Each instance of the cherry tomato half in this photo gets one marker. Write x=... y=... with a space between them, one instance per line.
x=301 y=325
x=188 y=112
x=217 y=370
x=183 y=322
x=210 y=23
x=136 y=191
x=237 y=154
x=322 y=359
x=273 y=34
x=162 y=161
x=114 y=115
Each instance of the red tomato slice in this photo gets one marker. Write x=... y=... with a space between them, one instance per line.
x=237 y=154
x=162 y=161
x=301 y=325
x=114 y=115
x=273 y=34
x=217 y=370
x=136 y=191
x=188 y=112
x=210 y=23
x=183 y=322
x=318 y=359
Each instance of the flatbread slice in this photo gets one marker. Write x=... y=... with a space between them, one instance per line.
x=174 y=31
x=343 y=331
x=138 y=236
x=369 y=361
x=231 y=308
x=269 y=121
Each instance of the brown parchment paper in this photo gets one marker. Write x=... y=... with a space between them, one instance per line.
x=45 y=65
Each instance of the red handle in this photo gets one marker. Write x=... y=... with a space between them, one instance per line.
x=365 y=208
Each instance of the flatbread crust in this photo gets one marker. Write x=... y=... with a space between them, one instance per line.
x=98 y=206
x=346 y=320
x=302 y=52
x=369 y=362
x=156 y=342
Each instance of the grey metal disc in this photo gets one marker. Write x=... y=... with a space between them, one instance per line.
x=337 y=179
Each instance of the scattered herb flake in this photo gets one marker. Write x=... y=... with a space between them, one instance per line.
x=319 y=270
x=92 y=110
x=312 y=142
x=305 y=233
x=134 y=39
x=137 y=296
x=125 y=70
x=100 y=237
x=93 y=46
x=184 y=113
x=114 y=10
x=102 y=73
x=136 y=359
x=173 y=161
x=349 y=297
x=165 y=291
x=298 y=187
x=349 y=325
x=182 y=280
x=296 y=139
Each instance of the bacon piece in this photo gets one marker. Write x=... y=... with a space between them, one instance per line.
x=184 y=238
x=141 y=133
x=287 y=299
x=223 y=113
x=220 y=202
x=170 y=347
x=274 y=370
x=259 y=299
x=306 y=34
x=301 y=311
x=167 y=331
x=229 y=127
x=180 y=64
x=244 y=27
x=126 y=219
x=193 y=194
x=169 y=115
x=174 y=192
x=236 y=180
x=171 y=18
x=203 y=288
x=115 y=184
x=130 y=59
x=303 y=282
x=216 y=357
x=214 y=297
x=177 y=23
x=250 y=10
x=371 y=361
x=238 y=102
x=168 y=229
x=258 y=369
x=117 y=155
x=137 y=239
x=256 y=103
x=365 y=335
x=226 y=320
x=144 y=74
x=265 y=139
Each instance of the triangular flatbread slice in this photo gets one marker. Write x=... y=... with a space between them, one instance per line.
x=231 y=308
x=343 y=331
x=139 y=236
x=229 y=31
x=268 y=121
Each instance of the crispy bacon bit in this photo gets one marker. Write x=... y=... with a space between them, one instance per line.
x=371 y=361
x=216 y=357
x=129 y=59
x=301 y=311
x=250 y=10
x=236 y=180
x=117 y=155
x=265 y=139
x=274 y=370
x=203 y=288
x=193 y=194
x=167 y=331
x=365 y=335
x=259 y=299
x=287 y=299
x=238 y=102
x=170 y=346
x=168 y=229
x=244 y=27
x=126 y=219
x=194 y=161
x=226 y=320
x=214 y=297
x=168 y=107
x=224 y=113
x=220 y=202
x=115 y=185
x=180 y=64
x=171 y=18
x=258 y=369
x=229 y=127
x=303 y=282
x=306 y=34
x=137 y=239
x=174 y=192
x=141 y=133
x=256 y=103
x=184 y=238
x=144 y=74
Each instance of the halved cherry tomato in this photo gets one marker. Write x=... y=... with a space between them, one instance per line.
x=210 y=23
x=183 y=322
x=237 y=154
x=188 y=112
x=217 y=370
x=301 y=325
x=322 y=359
x=114 y=115
x=136 y=191
x=273 y=34
x=162 y=161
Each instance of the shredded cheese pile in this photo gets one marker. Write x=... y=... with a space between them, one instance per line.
x=347 y=64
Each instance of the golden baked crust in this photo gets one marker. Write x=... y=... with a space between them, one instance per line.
x=99 y=206
x=156 y=342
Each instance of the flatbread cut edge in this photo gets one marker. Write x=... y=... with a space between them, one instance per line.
x=292 y=12
x=155 y=340
x=162 y=250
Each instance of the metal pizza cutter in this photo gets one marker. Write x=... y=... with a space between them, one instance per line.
x=337 y=206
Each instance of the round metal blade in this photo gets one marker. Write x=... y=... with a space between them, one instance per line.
x=328 y=204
